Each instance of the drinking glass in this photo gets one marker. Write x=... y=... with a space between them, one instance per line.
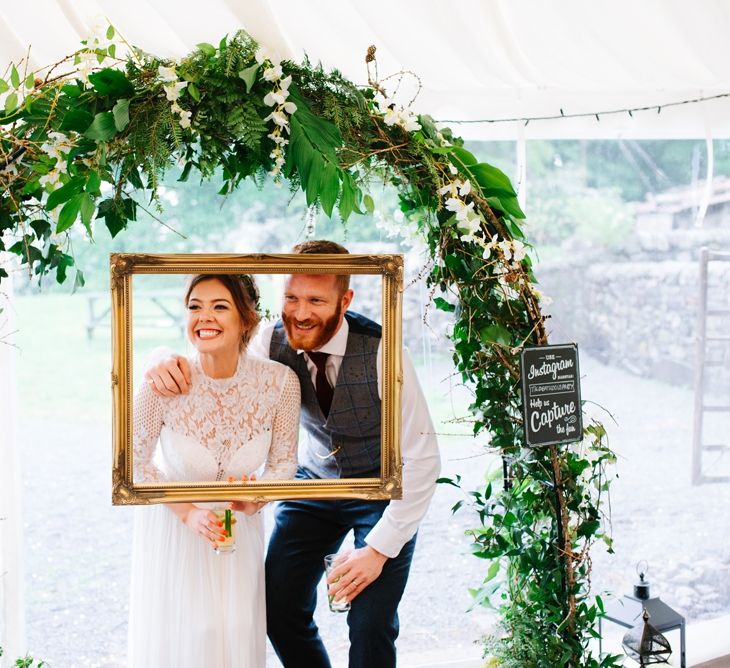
x=228 y=518
x=339 y=605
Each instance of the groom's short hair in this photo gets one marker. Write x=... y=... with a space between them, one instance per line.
x=315 y=246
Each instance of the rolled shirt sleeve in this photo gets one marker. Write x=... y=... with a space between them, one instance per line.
x=421 y=468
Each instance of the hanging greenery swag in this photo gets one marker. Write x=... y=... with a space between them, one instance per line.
x=81 y=140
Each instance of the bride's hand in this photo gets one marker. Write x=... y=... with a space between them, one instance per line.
x=204 y=523
x=247 y=507
x=169 y=376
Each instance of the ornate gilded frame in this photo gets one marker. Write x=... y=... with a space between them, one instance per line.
x=124 y=266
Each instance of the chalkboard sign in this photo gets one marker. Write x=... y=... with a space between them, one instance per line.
x=551 y=395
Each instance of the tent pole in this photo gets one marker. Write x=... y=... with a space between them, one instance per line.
x=12 y=608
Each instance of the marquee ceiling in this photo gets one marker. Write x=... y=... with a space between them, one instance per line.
x=485 y=59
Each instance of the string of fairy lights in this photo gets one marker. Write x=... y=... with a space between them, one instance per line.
x=595 y=114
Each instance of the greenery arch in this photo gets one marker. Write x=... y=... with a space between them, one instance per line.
x=80 y=138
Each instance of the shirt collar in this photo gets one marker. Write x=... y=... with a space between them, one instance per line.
x=337 y=344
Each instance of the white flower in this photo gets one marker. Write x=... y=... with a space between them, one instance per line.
x=464 y=188
x=167 y=74
x=273 y=73
x=460 y=208
x=453 y=169
x=263 y=54
x=488 y=247
x=185 y=118
x=176 y=108
x=470 y=225
x=285 y=82
x=172 y=91
x=518 y=250
x=506 y=248
x=409 y=121
x=279 y=118
x=276 y=97
x=392 y=117
x=290 y=107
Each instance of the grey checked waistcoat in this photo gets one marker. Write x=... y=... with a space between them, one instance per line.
x=347 y=443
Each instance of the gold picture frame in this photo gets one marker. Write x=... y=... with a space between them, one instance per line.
x=124 y=266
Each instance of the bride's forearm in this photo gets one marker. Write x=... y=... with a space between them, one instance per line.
x=182 y=510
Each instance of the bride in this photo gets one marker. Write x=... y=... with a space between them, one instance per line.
x=190 y=606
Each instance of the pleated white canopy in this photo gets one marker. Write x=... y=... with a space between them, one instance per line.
x=487 y=59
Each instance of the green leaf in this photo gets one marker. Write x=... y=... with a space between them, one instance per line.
x=193 y=91
x=72 y=90
x=186 y=171
x=110 y=32
x=111 y=82
x=93 y=182
x=135 y=179
x=495 y=333
x=15 y=77
x=76 y=120
x=3 y=86
x=121 y=114
x=79 y=281
x=112 y=50
x=11 y=102
x=508 y=205
x=64 y=262
x=460 y=157
x=103 y=127
x=68 y=214
x=42 y=228
x=313 y=181
x=87 y=211
x=369 y=204
x=491 y=180
x=249 y=76
x=443 y=305
x=492 y=571
x=30 y=81
x=207 y=49
x=350 y=193
x=329 y=187
x=64 y=193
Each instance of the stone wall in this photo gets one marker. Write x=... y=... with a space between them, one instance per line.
x=637 y=307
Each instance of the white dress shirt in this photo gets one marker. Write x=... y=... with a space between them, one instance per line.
x=419 y=448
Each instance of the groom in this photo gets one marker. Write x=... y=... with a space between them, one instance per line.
x=336 y=354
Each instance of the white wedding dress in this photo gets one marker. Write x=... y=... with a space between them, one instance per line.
x=190 y=607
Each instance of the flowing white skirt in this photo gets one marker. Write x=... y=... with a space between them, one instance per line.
x=190 y=607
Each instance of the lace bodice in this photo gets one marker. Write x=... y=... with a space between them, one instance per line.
x=222 y=427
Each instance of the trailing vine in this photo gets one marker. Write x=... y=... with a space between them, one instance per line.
x=89 y=139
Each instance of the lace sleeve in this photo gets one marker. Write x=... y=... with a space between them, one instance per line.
x=282 y=460
x=148 y=418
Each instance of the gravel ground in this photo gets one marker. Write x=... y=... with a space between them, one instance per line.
x=77 y=545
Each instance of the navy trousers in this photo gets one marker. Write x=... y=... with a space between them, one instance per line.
x=305 y=531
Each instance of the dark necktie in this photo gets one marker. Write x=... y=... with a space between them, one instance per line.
x=322 y=386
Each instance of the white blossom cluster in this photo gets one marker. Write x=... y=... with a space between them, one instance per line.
x=395 y=115
x=173 y=86
x=277 y=98
x=58 y=146
x=469 y=224
x=94 y=56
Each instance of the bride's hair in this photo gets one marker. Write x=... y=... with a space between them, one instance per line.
x=245 y=296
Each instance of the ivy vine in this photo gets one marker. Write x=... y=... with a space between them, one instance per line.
x=87 y=141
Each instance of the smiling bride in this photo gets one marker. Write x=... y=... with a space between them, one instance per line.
x=194 y=601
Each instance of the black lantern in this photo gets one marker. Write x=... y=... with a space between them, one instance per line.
x=628 y=611
x=643 y=643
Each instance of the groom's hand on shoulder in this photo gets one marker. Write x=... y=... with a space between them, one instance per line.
x=358 y=569
x=169 y=376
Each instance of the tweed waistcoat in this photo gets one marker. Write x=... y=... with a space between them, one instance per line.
x=347 y=442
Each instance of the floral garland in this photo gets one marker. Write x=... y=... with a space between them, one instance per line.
x=77 y=147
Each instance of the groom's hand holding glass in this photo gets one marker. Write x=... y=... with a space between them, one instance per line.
x=354 y=571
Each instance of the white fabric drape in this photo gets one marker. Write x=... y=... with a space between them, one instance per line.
x=476 y=58
x=12 y=622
